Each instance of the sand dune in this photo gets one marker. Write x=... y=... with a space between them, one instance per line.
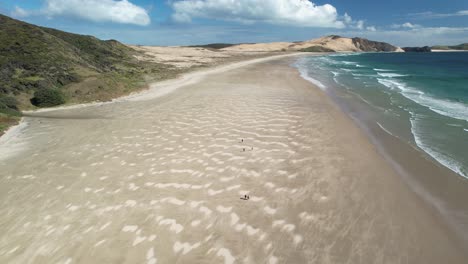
x=182 y=57
x=188 y=57
x=338 y=44
x=159 y=180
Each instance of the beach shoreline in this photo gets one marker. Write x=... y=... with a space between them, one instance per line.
x=436 y=50
x=439 y=186
x=320 y=189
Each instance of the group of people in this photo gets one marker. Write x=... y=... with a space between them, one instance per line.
x=246 y=196
x=243 y=149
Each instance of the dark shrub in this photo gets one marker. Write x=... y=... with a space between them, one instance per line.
x=317 y=49
x=47 y=97
x=8 y=102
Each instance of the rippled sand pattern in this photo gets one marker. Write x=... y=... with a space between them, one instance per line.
x=160 y=181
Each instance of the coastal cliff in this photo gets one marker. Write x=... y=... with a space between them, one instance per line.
x=374 y=46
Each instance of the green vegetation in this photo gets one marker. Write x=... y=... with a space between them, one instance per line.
x=8 y=102
x=41 y=67
x=463 y=46
x=9 y=114
x=48 y=97
x=6 y=121
x=215 y=46
x=317 y=49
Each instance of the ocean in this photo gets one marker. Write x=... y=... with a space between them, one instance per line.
x=420 y=98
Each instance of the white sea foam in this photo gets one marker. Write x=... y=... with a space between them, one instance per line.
x=345 y=54
x=391 y=75
x=363 y=75
x=383 y=70
x=384 y=129
x=442 y=158
x=305 y=75
x=443 y=107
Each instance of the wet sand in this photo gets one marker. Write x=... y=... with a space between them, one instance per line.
x=159 y=180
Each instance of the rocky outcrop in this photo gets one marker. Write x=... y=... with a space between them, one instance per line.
x=417 y=49
x=343 y=44
x=373 y=46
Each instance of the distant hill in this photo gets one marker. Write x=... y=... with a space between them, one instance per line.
x=45 y=67
x=417 y=49
x=331 y=43
x=34 y=58
x=215 y=46
x=463 y=46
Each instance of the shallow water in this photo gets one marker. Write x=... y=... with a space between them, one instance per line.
x=422 y=98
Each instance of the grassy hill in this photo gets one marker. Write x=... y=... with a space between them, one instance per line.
x=64 y=67
x=316 y=49
x=463 y=46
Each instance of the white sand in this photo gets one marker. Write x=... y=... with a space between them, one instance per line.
x=12 y=142
x=319 y=192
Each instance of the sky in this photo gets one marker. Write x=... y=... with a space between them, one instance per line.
x=188 y=22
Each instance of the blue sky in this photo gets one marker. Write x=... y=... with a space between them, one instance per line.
x=186 y=22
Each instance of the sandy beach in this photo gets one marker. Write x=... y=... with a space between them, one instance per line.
x=158 y=177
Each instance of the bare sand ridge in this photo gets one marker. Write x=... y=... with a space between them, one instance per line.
x=339 y=44
x=160 y=181
x=182 y=57
x=187 y=57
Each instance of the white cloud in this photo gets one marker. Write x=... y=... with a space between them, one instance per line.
x=439 y=15
x=117 y=11
x=360 y=24
x=406 y=25
x=19 y=12
x=347 y=18
x=420 y=36
x=300 y=13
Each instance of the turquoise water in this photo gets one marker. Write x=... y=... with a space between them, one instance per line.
x=421 y=98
